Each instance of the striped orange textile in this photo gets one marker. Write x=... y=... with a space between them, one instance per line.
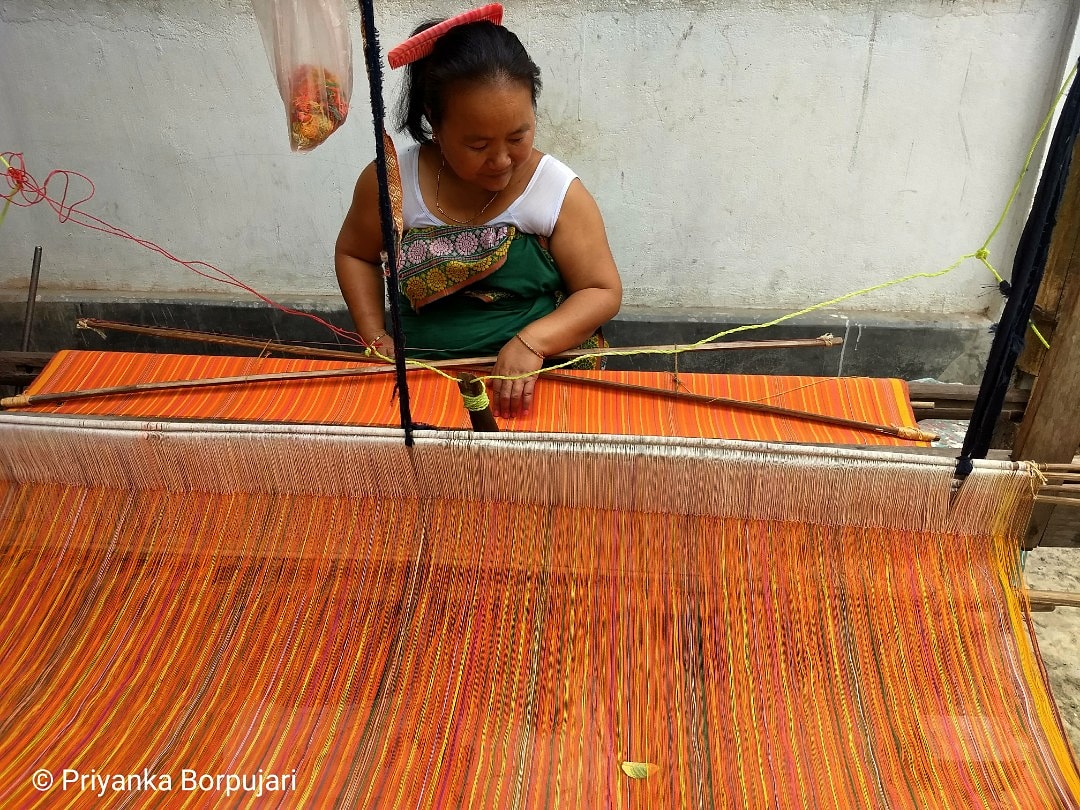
x=197 y=616
x=559 y=407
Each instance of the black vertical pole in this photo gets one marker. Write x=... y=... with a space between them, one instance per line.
x=1030 y=262
x=386 y=217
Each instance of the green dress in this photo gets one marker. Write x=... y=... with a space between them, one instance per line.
x=465 y=292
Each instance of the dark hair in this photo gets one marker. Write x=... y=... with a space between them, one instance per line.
x=475 y=52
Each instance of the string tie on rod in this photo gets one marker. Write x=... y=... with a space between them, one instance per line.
x=478 y=402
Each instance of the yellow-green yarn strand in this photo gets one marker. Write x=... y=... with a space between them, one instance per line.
x=7 y=199
x=479 y=402
x=744 y=327
x=1031 y=152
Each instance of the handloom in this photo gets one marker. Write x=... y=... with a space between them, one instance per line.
x=511 y=621
x=211 y=613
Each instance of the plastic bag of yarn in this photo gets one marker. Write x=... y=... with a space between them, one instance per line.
x=310 y=52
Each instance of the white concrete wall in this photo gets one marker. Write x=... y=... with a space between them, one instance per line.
x=746 y=153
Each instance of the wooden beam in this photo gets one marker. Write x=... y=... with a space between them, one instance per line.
x=948 y=392
x=1052 y=599
x=947 y=401
x=20 y=368
x=1060 y=267
x=1050 y=431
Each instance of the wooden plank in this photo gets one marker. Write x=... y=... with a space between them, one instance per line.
x=947 y=392
x=1054 y=599
x=38 y=359
x=939 y=412
x=1059 y=275
x=20 y=368
x=1050 y=432
x=1071 y=503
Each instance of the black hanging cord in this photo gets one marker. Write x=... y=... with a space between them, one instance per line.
x=1028 y=267
x=372 y=59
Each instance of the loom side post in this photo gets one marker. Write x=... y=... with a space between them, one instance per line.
x=1029 y=265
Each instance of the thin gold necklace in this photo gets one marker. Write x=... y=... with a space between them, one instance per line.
x=470 y=220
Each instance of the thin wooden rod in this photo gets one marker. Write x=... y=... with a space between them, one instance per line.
x=227 y=340
x=1054 y=598
x=823 y=341
x=827 y=341
x=1065 y=476
x=22 y=401
x=25 y=400
x=899 y=431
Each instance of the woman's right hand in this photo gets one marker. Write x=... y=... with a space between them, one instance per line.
x=514 y=397
x=381 y=348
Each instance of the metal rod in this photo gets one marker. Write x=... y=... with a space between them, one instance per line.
x=31 y=299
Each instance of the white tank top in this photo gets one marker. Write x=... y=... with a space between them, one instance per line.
x=535 y=211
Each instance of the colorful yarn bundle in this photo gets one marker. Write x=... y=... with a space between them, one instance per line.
x=317 y=106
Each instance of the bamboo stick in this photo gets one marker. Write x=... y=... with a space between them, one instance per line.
x=910 y=434
x=338 y=354
x=227 y=340
x=899 y=431
x=25 y=400
x=370 y=367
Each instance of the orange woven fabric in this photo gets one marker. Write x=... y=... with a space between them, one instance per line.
x=558 y=408
x=427 y=651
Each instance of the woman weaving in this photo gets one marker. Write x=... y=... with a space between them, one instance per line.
x=504 y=251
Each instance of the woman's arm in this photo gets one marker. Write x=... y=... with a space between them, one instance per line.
x=356 y=261
x=580 y=248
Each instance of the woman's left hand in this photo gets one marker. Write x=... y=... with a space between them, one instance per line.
x=510 y=398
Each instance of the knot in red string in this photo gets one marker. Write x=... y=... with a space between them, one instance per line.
x=16 y=177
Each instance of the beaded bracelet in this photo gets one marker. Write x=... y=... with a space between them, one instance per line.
x=530 y=347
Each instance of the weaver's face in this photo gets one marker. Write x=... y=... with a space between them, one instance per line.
x=487 y=132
